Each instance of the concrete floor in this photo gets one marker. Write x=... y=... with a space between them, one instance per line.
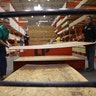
x=91 y=76
x=10 y=64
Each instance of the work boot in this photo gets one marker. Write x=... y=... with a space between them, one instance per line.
x=0 y=78
x=3 y=77
x=90 y=70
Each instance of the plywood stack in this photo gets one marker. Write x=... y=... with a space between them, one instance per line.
x=40 y=35
x=60 y=73
x=79 y=50
x=73 y=61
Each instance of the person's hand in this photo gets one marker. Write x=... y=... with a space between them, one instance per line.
x=7 y=46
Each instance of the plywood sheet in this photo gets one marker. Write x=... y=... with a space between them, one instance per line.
x=60 y=45
x=47 y=58
x=46 y=74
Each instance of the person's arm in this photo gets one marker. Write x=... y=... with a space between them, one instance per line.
x=80 y=37
x=3 y=43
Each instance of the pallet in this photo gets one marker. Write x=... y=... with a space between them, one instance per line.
x=73 y=61
x=46 y=73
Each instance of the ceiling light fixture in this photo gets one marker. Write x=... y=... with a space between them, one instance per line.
x=44 y=16
x=28 y=9
x=38 y=25
x=38 y=7
x=31 y=16
x=29 y=0
x=42 y=21
x=48 y=0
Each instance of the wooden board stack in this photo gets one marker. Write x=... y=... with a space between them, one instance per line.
x=46 y=73
x=73 y=61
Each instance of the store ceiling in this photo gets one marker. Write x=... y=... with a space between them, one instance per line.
x=44 y=4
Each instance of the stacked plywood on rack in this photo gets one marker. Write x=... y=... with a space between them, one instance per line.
x=10 y=52
x=73 y=27
x=79 y=50
x=73 y=61
x=90 y=4
x=41 y=35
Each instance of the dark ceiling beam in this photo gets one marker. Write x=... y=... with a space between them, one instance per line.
x=47 y=12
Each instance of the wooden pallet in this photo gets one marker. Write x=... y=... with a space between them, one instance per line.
x=46 y=73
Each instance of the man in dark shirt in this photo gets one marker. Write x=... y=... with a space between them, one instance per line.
x=89 y=32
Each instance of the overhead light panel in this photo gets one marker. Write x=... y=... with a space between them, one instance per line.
x=31 y=16
x=38 y=7
x=44 y=16
x=28 y=9
x=38 y=25
x=42 y=21
x=29 y=0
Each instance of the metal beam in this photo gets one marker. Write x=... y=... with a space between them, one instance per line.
x=47 y=12
x=47 y=84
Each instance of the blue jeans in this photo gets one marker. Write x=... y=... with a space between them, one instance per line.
x=90 y=53
x=3 y=61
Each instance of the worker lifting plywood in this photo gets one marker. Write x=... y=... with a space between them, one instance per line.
x=46 y=73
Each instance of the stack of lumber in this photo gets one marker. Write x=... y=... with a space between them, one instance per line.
x=41 y=35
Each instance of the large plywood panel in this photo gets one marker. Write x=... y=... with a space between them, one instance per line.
x=41 y=35
x=60 y=45
x=47 y=58
x=46 y=74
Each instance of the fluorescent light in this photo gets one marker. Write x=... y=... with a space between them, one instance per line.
x=27 y=10
x=42 y=21
x=29 y=0
x=50 y=9
x=38 y=25
x=48 y=0
x=38 y=7
x=31 y=16
x=44 y=16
